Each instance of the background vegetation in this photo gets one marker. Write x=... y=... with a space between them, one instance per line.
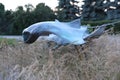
x=13 y=22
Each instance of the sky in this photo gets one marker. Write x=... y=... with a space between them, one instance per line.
x=13 y=4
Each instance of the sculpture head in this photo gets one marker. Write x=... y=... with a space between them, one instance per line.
x=29 y=37
x=32 y=33
x=29 y=34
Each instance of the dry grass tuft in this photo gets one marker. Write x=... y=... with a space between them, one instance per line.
x=37 y=62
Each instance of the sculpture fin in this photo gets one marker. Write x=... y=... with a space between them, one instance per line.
x=75 y=23
x=57 y=20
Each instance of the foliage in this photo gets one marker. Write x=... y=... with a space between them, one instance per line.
x=13 y=22
x=93 y=10
x=101 y=9
x=69 y=9
x=2 y=20
x=43 y=13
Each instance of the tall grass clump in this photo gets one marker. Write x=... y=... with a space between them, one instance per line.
x=38 y=62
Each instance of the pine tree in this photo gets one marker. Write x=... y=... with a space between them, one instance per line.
x=101 y=9
x=69 y=9
x=93 y=10
x=113 y=9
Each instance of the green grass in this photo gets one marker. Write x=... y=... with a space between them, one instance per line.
x=4 y=41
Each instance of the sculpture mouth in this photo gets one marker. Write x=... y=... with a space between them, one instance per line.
x=29 y=38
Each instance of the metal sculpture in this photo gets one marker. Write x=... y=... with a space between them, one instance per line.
x=62 y=32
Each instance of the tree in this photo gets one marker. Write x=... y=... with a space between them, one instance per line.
x=112 y=9
x=22 y=18
x=68 y=8
x=2 y=10
x=93 y=10
x=43 y=13
x=8 y=22
x=19 y=22
x=13 y=22
x=2 y=19
x=101 y=9
x=29 y=7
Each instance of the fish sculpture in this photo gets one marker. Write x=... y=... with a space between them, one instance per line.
x=61 y=33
